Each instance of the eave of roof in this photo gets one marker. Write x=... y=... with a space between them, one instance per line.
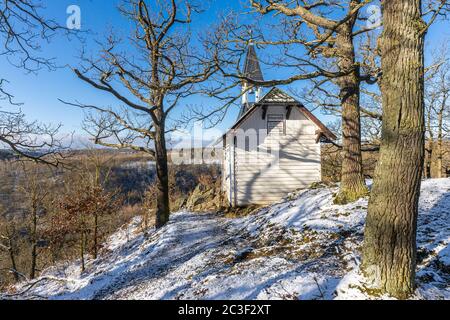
x=327 y=132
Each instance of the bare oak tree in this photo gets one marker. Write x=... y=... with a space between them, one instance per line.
x=36 y=191
x=33 y=141
x=149 y=75
x=23 y=31
x=8 y=244
x=310 y=35
x=79 y=209
x=96 y=169
x=437 y=113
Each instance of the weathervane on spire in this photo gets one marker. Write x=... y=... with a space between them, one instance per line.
x=250 y=40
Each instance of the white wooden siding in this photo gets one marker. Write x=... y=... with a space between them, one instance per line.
x=261 y=177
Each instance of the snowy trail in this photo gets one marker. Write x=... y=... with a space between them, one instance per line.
x=151 y=264
x=190 y=236
x=303 y=247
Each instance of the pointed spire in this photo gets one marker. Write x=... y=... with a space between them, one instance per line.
x=252 y=69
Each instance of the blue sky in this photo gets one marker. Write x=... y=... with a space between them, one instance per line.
x=39 y=92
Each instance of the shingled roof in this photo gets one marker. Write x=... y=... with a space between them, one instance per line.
x=252 y=69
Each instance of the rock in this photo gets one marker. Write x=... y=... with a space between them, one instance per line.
x=204 y=199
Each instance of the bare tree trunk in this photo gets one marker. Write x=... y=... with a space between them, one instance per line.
x=33 y=261
x=426 y=174
x=352 y=178
x=82 y=242
x=429 y=145
x=435 y=160
x=389 y=252
x=162 y=175
x=12 y=258
x=95 y=236
x=439 y=158
x=33 y=249
x=13 y=264
x=436 y=165
x=97 y=184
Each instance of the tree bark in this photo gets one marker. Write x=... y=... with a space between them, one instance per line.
x=95 y=235
x=33 y=249
x=436 y=159
x=439 y=158
x=426 y=172
x=82 y=245
x=96 y=185
x=12 y=258
x=13 y=264
x=389 y=251
x=162 y=174
x=353 y=184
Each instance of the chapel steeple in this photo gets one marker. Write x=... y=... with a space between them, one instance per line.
x=252 y=70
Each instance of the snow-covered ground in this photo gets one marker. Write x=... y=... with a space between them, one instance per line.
x=301 y=248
